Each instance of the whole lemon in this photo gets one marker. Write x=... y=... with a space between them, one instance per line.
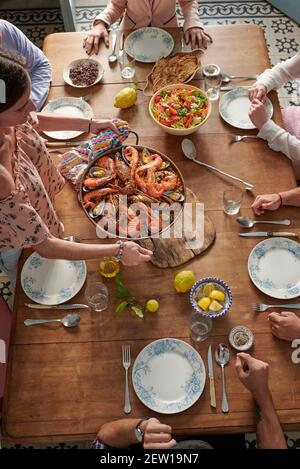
x=184 y=281
x=125 y=98
x=152 y=306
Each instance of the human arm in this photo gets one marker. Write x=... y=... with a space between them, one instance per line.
x=193 y=28
x=285 y=325
x=274 y=201
x=38 y=65
x=55 y=248
x=277 y=76
x=254 y=375
x=54 y=122
x=120 y=434
x=114 y=10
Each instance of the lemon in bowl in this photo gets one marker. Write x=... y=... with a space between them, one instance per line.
x=211 y=297
x=180 y=109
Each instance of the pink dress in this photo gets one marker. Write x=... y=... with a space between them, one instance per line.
x=291 y=119
x=27 y=215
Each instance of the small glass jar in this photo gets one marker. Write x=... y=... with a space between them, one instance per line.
x=241 y=338
x=212 y=81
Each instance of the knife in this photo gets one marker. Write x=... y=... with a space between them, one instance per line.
x=37 y=306
x=258 y=234
x=66 y=144
x=121 y=49
x=230 y=87
x=211 y=378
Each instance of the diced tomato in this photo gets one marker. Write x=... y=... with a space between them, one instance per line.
x=189 y=121
x=164 y=122
x=173 y=111
x=157 y=99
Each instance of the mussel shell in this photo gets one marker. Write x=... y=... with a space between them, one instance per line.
x=175 y=196
x=146 y=156
x=96 y=172
x=97 y=211
x=164 y=165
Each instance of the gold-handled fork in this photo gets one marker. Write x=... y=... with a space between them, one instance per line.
x=126 y=365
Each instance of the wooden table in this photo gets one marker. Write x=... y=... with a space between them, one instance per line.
x=64 y=384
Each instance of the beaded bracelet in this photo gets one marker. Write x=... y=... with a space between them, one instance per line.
x=120 y=253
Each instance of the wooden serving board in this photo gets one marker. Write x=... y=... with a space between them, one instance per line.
x=174 y=252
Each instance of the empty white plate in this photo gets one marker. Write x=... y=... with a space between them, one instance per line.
x=149 y=44
x=234 y=108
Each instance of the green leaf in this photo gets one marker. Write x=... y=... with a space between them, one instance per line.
x=138 y=311
x=121 y=307
x=122 y=292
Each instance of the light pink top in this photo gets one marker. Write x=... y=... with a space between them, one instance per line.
x=27 y=215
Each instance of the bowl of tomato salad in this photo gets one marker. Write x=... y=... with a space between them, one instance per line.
x=180 y=109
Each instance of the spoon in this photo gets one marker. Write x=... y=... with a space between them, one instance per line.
x=247 y=222
x=71 y=320
x=228 y=78
x=222 y=358
x=113 y=56
x=189 y=151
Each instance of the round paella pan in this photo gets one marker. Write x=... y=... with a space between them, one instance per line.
x=132 y=192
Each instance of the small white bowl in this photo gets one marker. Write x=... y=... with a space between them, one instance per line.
x=66 y=72
x=247 y=333
x=170 y=130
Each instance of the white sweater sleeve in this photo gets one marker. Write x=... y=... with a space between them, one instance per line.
x=281 y=140
x=280 y=74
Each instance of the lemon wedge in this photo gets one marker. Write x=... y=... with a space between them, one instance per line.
x=215 y=306
x=204 y=303
x=217 y=295
x=208 y=288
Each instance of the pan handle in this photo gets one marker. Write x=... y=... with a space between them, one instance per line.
x=136 y=136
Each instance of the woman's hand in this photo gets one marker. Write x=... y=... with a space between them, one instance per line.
x=91 y=42
x=197 y=37
x=134 y=254
x=285 y=325
x=266 y=202
x=259 y=92
x=157 y=435
x=100 y=124
x=258 y=113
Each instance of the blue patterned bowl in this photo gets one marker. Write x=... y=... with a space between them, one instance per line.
x=196 y=294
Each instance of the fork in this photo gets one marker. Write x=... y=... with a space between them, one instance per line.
x=260 y=307
x=238 y=138
x=126 y=365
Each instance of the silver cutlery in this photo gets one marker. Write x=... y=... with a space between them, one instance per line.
x=211 y=378
x=228 y=78
x=247 y=222
x=260 y=307
x=265 y=234
x=71 y=320
x=189 y=151
x=222 y=358
x=230 y=87
x=66 y=144
x=113 y=56
x=86 y=97
x=126 y=365
x=239 y=138
x=69 y=306
x=121 y=49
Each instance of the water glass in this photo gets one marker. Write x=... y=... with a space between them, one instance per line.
x=232 y=200
x=96 y=295
x=212 y=81
x=200 y=327
x=127 y=67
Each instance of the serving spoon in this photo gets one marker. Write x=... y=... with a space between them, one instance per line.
x=247 y=222
x=189 y=151
x=71 y=320
x=228 y=78
x=113 y=56
x=222 y=358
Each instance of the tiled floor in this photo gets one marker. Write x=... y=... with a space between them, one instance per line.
x=282 y=37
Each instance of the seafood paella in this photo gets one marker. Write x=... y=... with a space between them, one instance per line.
x=134 y=187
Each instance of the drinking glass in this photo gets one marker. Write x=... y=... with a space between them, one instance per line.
x=212 y=81
x=232 y=200
x=127 y=67
x=96 y=295
x=200 y=327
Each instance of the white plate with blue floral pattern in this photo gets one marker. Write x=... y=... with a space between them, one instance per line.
x=168 y=376
x=274 y=267
x=52 y=281
x=234 y=107
x=149 y=44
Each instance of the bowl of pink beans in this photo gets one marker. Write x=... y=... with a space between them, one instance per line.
x=83 y=73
